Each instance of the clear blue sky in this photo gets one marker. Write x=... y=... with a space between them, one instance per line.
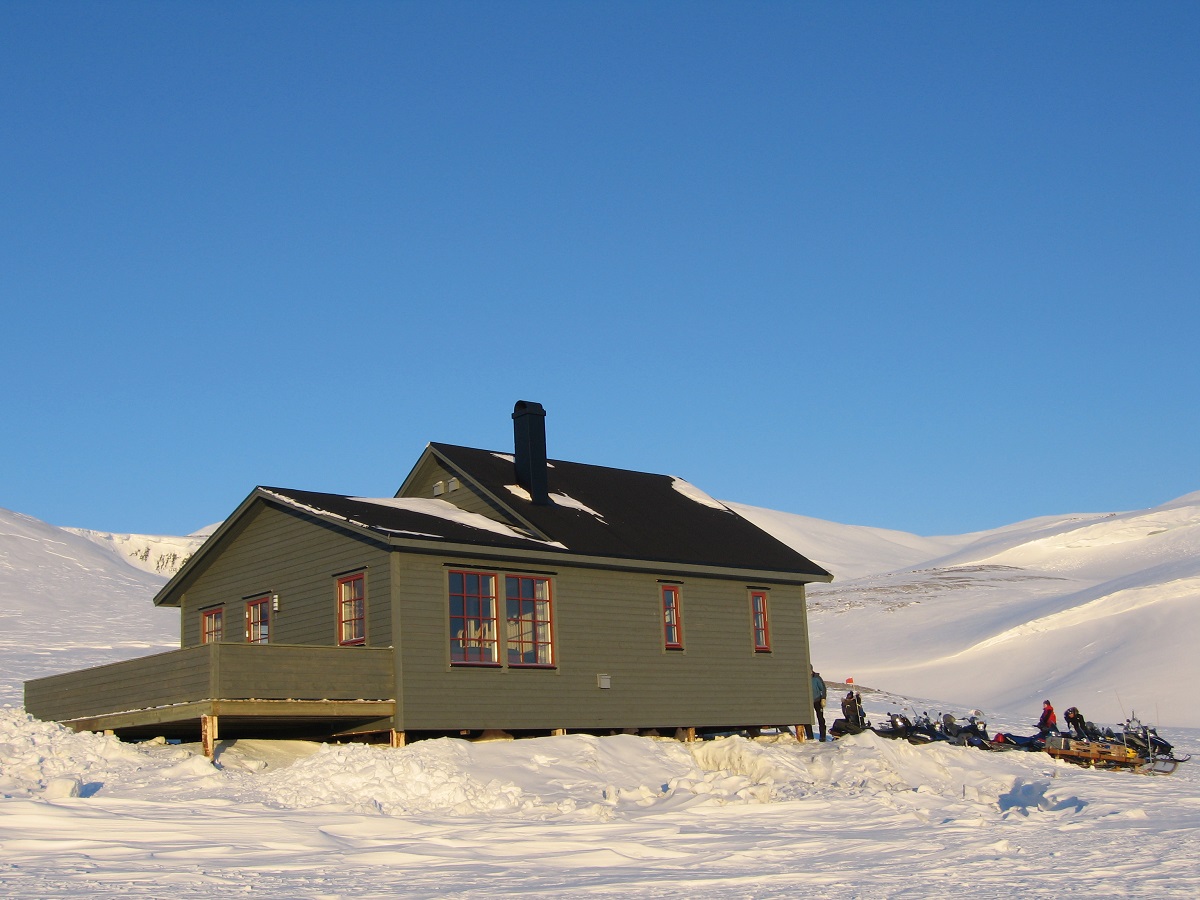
x=926 y=266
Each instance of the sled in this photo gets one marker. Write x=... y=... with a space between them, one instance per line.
x=1106 y=754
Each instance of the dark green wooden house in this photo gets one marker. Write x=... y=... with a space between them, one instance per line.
x=495 y=590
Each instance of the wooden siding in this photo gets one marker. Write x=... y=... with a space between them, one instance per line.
x=279 y=551
x=214 y=671
x=609 y=623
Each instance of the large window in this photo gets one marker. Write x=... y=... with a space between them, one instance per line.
x=530 y=629
x=473 y=626
x=258 y=620
x=760 y=623
x=212 y=625
x=672 y=624
x=352 y=610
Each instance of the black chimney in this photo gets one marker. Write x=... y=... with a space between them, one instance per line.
x=529 y=433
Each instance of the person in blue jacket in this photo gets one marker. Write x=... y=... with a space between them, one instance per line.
x=818 y=694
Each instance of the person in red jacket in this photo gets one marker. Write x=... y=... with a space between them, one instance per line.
x=1048 y=722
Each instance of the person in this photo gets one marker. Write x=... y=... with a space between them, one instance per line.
x=852 y=712
x=1076 y=724
x=818 y=693
x=1048 y=722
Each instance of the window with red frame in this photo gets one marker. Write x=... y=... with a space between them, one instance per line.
x=212 y=625
x=760 y=623
x=672 y=623
x=473 y=614
x=258 y=620
x=352 y=610
x=530 y=626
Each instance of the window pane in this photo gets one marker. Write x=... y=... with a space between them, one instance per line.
x=472 y=618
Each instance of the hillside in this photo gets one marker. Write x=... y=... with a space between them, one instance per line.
x=1099 y=611
x=72 y=599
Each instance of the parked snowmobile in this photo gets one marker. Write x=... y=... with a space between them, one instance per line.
x=854 y=720
x=922 y=730
x=1156 y=751
x=898 y=726
x=1008 y=741
x=1136 y=746
x=971 y=733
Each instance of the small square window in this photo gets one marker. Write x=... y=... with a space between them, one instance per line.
x=212 y=625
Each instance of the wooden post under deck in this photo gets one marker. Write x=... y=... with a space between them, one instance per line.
x=558 y=732
x=208 y=736
x=801 y=736
x=396 y=738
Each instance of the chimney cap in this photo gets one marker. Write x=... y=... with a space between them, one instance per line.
x=528 y=408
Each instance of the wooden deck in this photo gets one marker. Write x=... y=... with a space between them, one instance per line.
x=264 y=690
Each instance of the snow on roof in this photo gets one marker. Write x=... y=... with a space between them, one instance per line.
x=558 y=499
x=692 y=492
x=451 y=513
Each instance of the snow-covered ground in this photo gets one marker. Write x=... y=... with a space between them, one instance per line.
x=582 y=816
x=1097 y=611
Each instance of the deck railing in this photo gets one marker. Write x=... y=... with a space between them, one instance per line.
x=224 y=671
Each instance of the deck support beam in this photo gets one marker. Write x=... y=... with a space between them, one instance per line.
x=396 y=738
x=208 y=736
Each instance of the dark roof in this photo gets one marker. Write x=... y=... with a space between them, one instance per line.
x=401 y=522
x=630 y=515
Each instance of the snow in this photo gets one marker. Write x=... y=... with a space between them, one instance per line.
x=692 y=492
x=1094 y=610
x=443 y=510
x=580 y=816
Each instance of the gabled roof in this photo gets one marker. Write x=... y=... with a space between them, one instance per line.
x=621 y=514
x=597 y=513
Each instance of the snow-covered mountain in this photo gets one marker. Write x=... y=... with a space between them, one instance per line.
x=1099 y=611
x=71 y=599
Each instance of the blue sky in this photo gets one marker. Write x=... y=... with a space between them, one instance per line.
x=932 y=267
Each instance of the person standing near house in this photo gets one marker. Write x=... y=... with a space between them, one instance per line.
x=818 y=694
x=1049 y=721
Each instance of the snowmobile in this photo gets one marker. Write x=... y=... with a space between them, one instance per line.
x=898 y=726
x=971 y=733
x=922 y=730
x=1008 y=741
x=854 y=720
x=1159 y=755
x=1136 y=746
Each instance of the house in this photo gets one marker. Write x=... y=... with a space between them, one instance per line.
x=493 y=591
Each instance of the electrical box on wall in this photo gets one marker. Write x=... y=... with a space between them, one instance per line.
x=603 y=681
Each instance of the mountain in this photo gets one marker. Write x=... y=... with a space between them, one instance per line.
x=1098 y=610
x=71 y=599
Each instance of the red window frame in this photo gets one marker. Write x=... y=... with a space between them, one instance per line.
x=529 y=611
x=672 y=618
x=258 y=620
x=212 y=625
x=760 y=622
x=352 y=610
x=474 y=619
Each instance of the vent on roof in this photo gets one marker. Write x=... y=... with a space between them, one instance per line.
x=529 y=436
